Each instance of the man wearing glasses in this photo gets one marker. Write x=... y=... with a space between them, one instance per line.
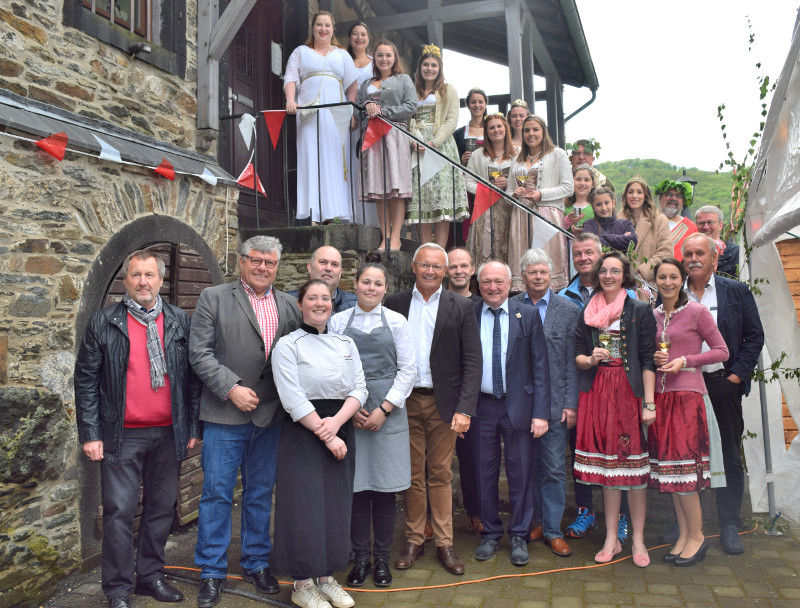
x=672 y=196
x=586 y=151
x=234 y=328
x=709 y=221
x=444 y=399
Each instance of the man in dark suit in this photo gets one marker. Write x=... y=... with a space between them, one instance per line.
x=514 y=405
x=234 y=329
x=736 y=314
x=444 y=398
x=326 y=265
x=559 y=316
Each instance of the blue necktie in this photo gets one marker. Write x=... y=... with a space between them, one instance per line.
x=497 y=366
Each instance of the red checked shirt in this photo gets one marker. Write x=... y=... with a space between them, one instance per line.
x=266 y=314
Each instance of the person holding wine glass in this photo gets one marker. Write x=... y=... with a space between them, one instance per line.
x=473 y=130
x=492 y=163
x=543 y=178
x=687 y=338
x=616 y=379
x=517 y=114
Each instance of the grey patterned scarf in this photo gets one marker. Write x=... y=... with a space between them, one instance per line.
x=158 y=365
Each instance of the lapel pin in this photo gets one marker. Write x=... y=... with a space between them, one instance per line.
x=519 y=316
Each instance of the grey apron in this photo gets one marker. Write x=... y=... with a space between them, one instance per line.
x=383 y=458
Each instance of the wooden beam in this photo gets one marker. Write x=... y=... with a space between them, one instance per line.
x=435 y=26
x=383 y=7
x=446 y=14
x=513 y=16
x=207 y=69
x=540 y=50
x=225 y=29
x=527 y=66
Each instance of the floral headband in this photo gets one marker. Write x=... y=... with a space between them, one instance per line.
x=432 y=49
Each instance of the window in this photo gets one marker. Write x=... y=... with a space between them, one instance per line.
x=133 y=15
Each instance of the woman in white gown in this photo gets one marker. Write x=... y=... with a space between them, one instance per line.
x=317 y=73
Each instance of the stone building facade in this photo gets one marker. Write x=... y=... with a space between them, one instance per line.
x=65 y=228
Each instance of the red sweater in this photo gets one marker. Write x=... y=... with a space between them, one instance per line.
x=144 y=406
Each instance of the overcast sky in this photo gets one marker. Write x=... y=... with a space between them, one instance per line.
x=663 y=69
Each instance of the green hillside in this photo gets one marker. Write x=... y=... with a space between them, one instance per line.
x=711 y=188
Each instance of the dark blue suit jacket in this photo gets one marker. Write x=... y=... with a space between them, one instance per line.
x=527 y=370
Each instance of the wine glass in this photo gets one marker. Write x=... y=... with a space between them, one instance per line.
x=605 y=339
x=521 y=175
x=494 y=173
x=664 y=343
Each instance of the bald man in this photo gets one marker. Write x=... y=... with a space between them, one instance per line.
x=326 y=265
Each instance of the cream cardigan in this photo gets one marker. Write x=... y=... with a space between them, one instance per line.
x=446 y=116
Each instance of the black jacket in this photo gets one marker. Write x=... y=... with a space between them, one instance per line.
x=100 y=376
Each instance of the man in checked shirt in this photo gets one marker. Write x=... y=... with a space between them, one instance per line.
x=234 y=328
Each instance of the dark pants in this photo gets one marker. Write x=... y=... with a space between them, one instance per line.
x=375 y=513
x=146 y=456
x=726 y=398
x=488 y=427
x=469 y=483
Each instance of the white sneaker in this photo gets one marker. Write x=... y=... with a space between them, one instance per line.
x=308 y=596
x=335 y=594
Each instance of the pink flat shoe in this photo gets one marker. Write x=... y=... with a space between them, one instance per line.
x=641 y=559
x=603 y=557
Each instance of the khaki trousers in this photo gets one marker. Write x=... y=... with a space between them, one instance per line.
x=432 y=443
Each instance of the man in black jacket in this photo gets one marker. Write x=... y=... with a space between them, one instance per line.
x=138 y=420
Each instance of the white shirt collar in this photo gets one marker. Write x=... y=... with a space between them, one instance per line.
x=417 y=294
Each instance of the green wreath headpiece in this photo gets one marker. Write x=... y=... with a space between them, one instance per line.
x=590 y=145
x=671 y=184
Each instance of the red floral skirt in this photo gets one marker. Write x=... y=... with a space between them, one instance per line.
x=610 y=449
x=678 y=443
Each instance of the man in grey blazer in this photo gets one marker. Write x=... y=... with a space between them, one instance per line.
x=559 y=316
x=234 y=329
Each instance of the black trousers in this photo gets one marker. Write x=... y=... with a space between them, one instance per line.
x=726 y=399
x=147 y=456
x=374 y=514
x=468 y=476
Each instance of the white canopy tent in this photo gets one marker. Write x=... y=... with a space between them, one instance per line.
x=772 y=210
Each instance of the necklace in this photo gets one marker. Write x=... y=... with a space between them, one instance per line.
x=534 y=157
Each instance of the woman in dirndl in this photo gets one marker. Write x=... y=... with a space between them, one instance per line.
x=679 y=439
x=321 y=385
x=383 y=460
x=614 y=355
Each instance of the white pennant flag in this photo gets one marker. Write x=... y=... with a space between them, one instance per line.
x=247 y=127
x=430 y=164
x=207 y=176
x=341 y=116
x=542 y=233
x=107 y=151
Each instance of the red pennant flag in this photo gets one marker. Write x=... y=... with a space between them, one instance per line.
x=274 y=120
x=484 y=198
x=376 y=128
x=165 y=169
x=248 y=177
x=55 y=145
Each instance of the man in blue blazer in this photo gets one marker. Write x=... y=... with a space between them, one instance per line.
x=514 y=406
x=559 y=316
x=736 y=314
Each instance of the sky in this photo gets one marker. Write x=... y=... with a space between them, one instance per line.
x=663 y=69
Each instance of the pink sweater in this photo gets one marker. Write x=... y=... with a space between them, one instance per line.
x=689 y=326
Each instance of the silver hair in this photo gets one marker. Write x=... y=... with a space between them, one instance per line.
x=145 y=254
x=485 y=264
x=263 y=244
x=710 y=209
x=535 y=256
x=432 y=246
x=712 y=244
x=589 y=236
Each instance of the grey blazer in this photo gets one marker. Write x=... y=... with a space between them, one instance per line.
x=226 y=348
x=559 y=331
x=398 y=98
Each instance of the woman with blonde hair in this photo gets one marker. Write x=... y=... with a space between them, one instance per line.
x=652 y=227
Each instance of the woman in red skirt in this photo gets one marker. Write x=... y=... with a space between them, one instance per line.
x=614 y=356
x=678 y=441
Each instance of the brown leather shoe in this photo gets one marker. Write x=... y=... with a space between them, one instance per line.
x=428 y=529
x=474 y=525
x=537 y=534
x=558 y=546
x=452 y=563
x=409 y=556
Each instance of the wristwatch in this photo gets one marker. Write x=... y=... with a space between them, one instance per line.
x=649 y=406
x=384 y=410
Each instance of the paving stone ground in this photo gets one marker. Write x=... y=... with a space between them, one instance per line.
x=766 y=575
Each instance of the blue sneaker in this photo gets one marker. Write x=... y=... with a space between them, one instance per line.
x=583 y=524
x=622 y=529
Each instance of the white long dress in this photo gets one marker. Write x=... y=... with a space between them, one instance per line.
x=321 y=80
x=365 y=213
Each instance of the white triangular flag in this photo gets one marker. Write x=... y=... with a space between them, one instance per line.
x=207 y=176
x=246 y=128
x=542 y=232
x=341 y=116
x=430 y=164
x=107 y=151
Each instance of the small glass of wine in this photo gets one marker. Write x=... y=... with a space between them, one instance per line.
x=605 y=339
x=664 y=343
x=521 y=175
x=494 y=173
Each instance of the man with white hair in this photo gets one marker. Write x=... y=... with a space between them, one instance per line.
x=709 y=220
x=672 y=196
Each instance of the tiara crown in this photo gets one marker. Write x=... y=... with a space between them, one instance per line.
x=431 y=49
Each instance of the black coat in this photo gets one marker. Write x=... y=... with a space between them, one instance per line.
x=101 y=373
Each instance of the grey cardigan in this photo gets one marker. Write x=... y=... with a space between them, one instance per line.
x=398 y=98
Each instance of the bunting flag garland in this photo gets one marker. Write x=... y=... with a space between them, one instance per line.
x=430 y=164
x=342 y=116
x=247 y=127
x=165 y=169
x=249 y=177
x=55 y=145
x=207 y=176
x=274 y=120
x=107 y=151
x=376 y=129
x=543 y=231
x=484 y=198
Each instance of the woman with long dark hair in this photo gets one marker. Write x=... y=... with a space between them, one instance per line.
x=476 y=104
x=517 y=114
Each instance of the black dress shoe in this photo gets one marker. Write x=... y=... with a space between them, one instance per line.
x=209 y=592
x=381 y=574
x=359 y=573
x=264 y=581
x=669 y=558
x=159 y=589
x=698 y=556
x=119 y=602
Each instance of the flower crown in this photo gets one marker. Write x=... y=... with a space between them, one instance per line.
x=496 y=115
x=668 y=184
x=590 y=145
x=519 y=102
x=432 y=49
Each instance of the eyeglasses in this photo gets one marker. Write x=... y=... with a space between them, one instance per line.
x=256 y=262
x=674 y=195
x=708 y=223
x=537 y=273
x=426 y=266
x=612 y=271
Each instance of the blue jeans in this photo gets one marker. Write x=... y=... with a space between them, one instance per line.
x=549 y=478
x=227 y=448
